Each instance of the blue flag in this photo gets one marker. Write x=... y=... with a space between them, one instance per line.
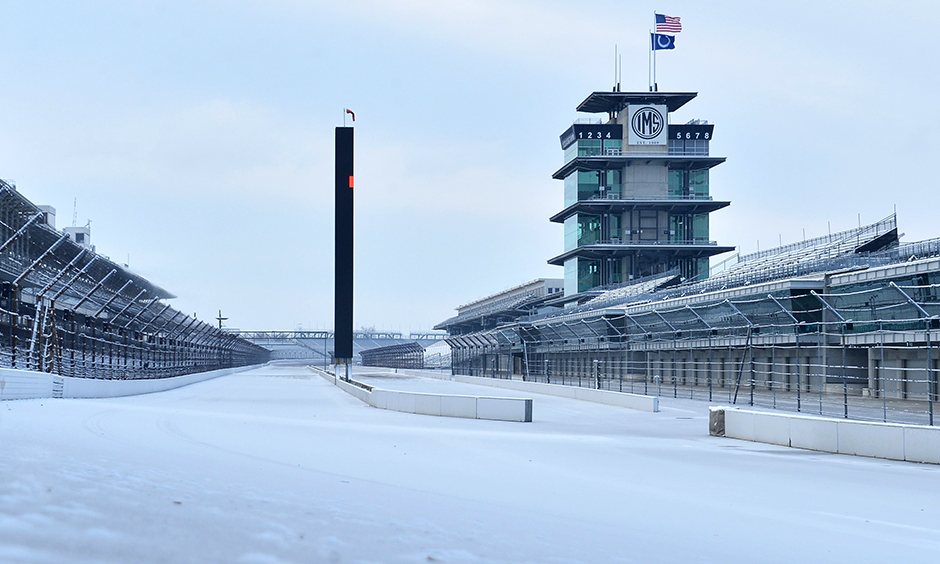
x=660 y=41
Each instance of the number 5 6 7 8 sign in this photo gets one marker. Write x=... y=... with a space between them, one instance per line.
x=692 y=132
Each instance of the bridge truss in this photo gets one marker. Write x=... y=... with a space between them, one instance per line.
x=317 y=346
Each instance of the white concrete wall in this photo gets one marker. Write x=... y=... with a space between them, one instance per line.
x=444 y=405
x=913 y=443
x=91 y=388
x=22 y=384
x=621 y=399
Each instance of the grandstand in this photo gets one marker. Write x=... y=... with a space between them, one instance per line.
x=404 y=355
x=504 y=306
x=845 y=323
x=67 y=310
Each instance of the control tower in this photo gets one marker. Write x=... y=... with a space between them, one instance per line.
x=637 y=199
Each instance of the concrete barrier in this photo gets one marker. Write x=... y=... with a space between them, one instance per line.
x=23 y=384
x=913 y=443
x=620 y=399
x=442 y=405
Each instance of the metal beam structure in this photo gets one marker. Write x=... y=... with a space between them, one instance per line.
x=318 y=346
x=405 y=355
x=66 y=309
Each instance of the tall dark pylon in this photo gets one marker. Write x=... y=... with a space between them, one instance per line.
x=343 y=281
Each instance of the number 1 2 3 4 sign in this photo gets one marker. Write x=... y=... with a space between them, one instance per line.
x=581 y=131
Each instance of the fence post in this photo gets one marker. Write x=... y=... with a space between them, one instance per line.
x=750 y=352
x=845 y=380
x=799 y=373
x=710 y=367
x=929 y=376
x=881 y=374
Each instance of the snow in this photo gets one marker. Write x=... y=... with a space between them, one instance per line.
x=278 y=466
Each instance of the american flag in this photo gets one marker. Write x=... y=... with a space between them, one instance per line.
x=667 y=24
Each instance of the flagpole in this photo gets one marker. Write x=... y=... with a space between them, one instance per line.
x=649 y=64
x=653 y=47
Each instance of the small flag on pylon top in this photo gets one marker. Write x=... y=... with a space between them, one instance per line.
x=350 y=112
x=667 y=24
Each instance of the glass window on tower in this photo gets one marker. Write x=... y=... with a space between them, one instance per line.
x=571 y=152
x=688 y=184
x=571 y=189
x=702 y=269
x=589 y=274
x=589 y=229
x=613 y=146
x=571 y=276
x=593 y=185
x=698 y=183
x=676 y=183
x=589 y=147
x=688 y=147
x=588 y=185
x=677 y=228
x=571 y=233
x=700 y=228
x=616 y=271
x=615 y=227
x=614 y=183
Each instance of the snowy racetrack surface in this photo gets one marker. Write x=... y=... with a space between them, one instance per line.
x=277 y=465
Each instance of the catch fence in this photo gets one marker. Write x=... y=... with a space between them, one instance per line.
x=861 y=352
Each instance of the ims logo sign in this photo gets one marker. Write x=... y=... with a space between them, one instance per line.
x=647 y=125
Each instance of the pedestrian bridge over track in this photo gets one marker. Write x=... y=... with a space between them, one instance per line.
x=317 y=346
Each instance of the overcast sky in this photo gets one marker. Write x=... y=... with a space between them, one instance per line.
x=198 y=136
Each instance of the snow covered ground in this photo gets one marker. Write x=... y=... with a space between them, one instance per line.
x=277 y=465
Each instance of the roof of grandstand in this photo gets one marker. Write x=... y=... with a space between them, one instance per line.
x=507 y=304
x=853 y=248
x=866 y=246
x=45 y=269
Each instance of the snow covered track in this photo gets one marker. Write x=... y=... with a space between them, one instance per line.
x=276 y=466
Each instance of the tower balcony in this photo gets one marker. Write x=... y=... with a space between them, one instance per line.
x=613 y=161
x=621 y=204
x=666 y=250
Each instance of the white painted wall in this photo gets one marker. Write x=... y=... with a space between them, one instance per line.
x=913 y=443
x=22 y=384
x=444 y=405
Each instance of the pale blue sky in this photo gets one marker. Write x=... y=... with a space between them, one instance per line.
x=197 y=136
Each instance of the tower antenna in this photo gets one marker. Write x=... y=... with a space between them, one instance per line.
x=616 y=80
x=75 y=213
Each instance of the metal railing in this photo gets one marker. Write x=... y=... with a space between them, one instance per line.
x=869 y=354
